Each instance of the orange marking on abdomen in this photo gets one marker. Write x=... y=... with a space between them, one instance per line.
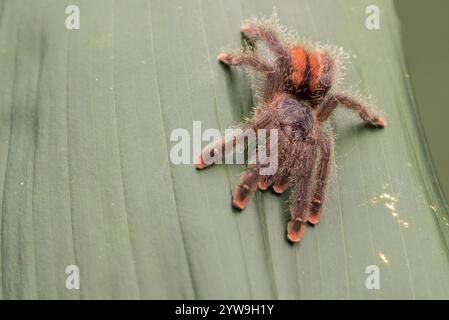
x=299 y=60
x=315 y=70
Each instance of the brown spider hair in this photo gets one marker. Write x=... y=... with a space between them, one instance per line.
x=297 y=97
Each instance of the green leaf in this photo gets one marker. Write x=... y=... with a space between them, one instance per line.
x=86 y=117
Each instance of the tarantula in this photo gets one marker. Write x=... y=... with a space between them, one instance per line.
x=296 y=99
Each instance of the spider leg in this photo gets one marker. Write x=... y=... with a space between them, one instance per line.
x=326 y=109
x=252 y=177
x=256 y=31
x=211 y=150
x=322 y=175
x=265 y=182
x=352 y=103
x=244 y=58
x=221 y=147
x=301 y=195
x=282 y=181
x=248 y=183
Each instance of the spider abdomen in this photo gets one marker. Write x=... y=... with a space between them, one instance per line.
x=305 y=70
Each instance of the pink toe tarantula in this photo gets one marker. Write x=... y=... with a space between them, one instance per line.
x=296 y=98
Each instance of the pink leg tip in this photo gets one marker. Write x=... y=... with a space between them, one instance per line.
x=223 y=57
x=245 y=28
x=380 y=122
x=240 y=203
x=295 y=230
x=263 y=185
x=280 y=188
x=314 y=218
x=199 y=163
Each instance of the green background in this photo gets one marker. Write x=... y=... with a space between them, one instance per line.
x=425 y=28
x=85 y=175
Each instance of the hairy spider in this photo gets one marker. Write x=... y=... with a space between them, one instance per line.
x=296 y=99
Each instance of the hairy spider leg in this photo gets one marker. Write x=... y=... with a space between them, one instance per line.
x=248 y=183
x=258 y=31
x=265 y=182
x=223 y=147
x=301 y=195
x=246 y=59
x=322 y=176
x=351 y=103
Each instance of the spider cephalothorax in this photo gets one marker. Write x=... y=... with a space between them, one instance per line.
x=296 y=99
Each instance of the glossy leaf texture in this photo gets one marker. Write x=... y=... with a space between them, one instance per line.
x=86 y=178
